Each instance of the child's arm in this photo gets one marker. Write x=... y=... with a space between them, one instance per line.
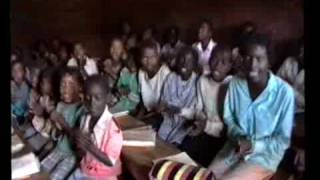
x=85 y=143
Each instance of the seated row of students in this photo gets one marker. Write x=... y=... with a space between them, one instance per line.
x=190 y=103
x=81 y=106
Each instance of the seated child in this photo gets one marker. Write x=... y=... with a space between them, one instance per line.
x=61 y=161
x=210 y=89
x=19 y=91
x=42 y=106
x=128 y=88
x=205 y=45
x=113 y=66
x=178 y=98
x=258 y=112
x=151 y=77
x=101 y=130
x=292 y=71
x=170 y=50
x=81 y=60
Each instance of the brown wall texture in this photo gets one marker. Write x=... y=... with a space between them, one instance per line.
x=93 y=21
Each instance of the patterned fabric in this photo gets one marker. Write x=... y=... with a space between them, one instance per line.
x=127 y=81
x=170 y=170
x=180 y=94
x=58 y=164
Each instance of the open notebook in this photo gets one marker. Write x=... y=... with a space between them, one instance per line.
x=141 y=136
x=24 y=166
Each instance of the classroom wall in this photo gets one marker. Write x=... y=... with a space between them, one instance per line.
x=94 y=21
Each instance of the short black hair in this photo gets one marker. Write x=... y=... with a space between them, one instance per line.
x=52 y=74
x=74 y=72
x=208 y=22
x=256 y=39
x=152 y=28
x=220 y=48
x=186 y=50
x=248 y=24
x=149 y=44
x=100 y=80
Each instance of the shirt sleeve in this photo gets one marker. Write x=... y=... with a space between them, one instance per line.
x=279 y=141
x=234 y=131
x=114 y=143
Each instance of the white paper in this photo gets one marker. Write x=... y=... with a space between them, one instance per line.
x=24 y=166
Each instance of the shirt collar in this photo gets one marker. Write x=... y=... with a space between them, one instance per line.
x=270 y=88
x=210 y=46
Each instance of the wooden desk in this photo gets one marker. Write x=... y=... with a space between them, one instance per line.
x=138 y=160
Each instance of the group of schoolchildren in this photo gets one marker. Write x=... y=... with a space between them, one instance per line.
x=65 y=102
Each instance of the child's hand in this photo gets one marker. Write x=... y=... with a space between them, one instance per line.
x=82 y=141
x=58 y=119
x=244 y=147
x=198 y=127
x=173 y=109
x=37 y=109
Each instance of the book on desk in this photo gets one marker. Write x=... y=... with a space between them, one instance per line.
x=23 y=163
x=143 y=136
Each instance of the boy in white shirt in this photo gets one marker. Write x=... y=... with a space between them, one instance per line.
x=205 y=45
x=80 y=60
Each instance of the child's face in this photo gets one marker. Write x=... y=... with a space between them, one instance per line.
x=35 y=78
x=63 y=55
x=79 y=51
x=116 y=50
x=126 y=28
x=96 y=100
x=18 y=73
x=131 y=42
x=46 y=87
x=221 y=65
x=150 y=60
x=69 y=89
x=147 y=34
x=185 y=66
x=13 y=57
x=132 y=66
x=173 y=37
x=204 y=32
x=256 y=63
